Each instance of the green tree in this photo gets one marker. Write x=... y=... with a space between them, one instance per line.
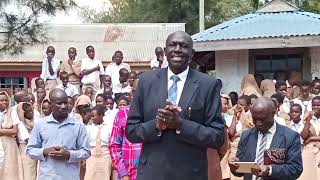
x=224 y=10
x=149 y=11
x=185 y=11
x=311 y=6
x=21 y=28
x=170 y=11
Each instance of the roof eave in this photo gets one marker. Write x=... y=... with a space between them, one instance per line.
x=258 y=43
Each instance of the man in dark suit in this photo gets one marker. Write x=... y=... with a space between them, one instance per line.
x=267 y=135
x=176 y=132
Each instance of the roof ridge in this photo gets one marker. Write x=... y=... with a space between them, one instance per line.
x=289 y=7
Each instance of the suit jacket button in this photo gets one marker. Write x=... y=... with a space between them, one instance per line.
x=196 y=170
x=143 y=159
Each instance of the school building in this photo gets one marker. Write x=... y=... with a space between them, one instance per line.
x=137 y=41
x=279 y=36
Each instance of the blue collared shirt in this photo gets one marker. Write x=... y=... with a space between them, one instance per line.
x=71 y=134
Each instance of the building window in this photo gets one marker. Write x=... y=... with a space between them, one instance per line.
x=267 y=65
x=13 y=82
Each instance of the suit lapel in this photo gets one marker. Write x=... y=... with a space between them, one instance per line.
x=189 y=88
x=252 y=144
x=163 y=86
x=277 y=138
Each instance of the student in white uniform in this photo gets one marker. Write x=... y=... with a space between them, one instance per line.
x=281 y=88
x=49 y=69
x=113 y=68
x=99 y=165
x=160 y=61
x=70 y=89
x=123 y=85
x=295 y=122
x=304 y=98
x=27 y=120
x=278 y=99
x=32 y=102
x=92 y=70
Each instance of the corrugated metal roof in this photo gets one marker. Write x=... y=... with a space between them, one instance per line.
x=263 y=25
x=137 y=41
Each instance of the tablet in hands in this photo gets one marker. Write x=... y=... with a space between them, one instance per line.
x=245 y=167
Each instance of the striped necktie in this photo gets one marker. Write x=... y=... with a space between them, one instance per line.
x=172 y=93
x=262 y=149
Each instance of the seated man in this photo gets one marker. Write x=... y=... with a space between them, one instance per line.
x=270 y=136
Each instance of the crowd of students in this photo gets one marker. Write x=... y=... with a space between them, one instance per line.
x=97 y=98
x=100 y=98
x=297 y=107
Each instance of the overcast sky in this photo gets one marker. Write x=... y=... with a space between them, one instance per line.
x=73 y=17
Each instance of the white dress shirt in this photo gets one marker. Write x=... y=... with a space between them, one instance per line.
x=36 y=113
x=106 y=128
x=305 y=105
x=119 y=89
x=110 y=115
x=286 y=105
x=180 y=83
x=316 y=124
x=155 y=63
x=23 y=133
x=94 y=77
x=113 y=71
x=45 y=74
x=297 y=128
x=228 y=118
x=70 y=89
x=280 y=120
x=269 y=137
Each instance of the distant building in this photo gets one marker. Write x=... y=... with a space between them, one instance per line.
x=279 y=36
x=137 y=41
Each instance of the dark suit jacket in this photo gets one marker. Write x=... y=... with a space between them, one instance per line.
x=176 y=156
x=283 y=138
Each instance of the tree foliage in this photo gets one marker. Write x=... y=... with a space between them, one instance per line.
x=185 y=11
x=170 y=11
x=19 y=25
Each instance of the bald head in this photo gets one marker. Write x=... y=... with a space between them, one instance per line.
x=21 y=96
x=181 y=34
x=263 y=104
x=262 y=112
x=57 y=94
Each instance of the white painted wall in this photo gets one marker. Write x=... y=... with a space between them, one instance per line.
x=315 y=61
x=230 y=67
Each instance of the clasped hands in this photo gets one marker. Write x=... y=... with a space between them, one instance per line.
x=168 y=118
x=57 y=153
x=263 y=172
